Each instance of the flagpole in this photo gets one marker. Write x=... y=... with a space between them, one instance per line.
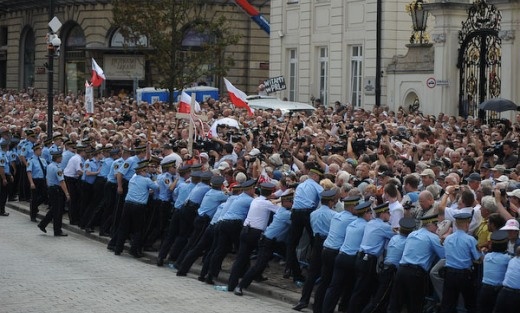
x=50 y=82
x=192 y=125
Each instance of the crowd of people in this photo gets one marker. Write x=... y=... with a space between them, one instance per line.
x=373 y=210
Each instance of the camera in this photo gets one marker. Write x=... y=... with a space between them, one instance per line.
x=503 y=192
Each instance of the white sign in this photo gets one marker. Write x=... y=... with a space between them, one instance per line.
x=431 y=82
x=443 y=82
x=369 y=84
x=123 y=67
x=55 y=24
x=275 y=84
x=89 y=99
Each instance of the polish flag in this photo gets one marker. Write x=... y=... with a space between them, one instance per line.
x=98 y=76
x=238 y=97
x=185 y=104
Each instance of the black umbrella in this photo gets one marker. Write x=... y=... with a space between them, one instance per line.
x=498 y=105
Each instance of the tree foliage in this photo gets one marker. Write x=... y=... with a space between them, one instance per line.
x=166 y=24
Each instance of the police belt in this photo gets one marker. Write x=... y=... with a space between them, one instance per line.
x=458 y=271
x=412 y=266
x=320 y=236
x=133 y=203
x=38 y=179
x=513 y=290
x=191 y=205
x=55 y=188
x=388 y=266
x=362 y=254
x=331 y=250
x=494 y=288
x=303 y=210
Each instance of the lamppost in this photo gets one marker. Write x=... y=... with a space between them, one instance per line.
x=419 y=22
x=53 y=50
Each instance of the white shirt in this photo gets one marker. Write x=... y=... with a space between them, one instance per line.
x=173 y=156
x=475 y=219
x=259 y=212
x=75 y=164
x=396 y=213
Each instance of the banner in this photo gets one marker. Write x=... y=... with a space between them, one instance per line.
x=89 y=98
x=274 y=84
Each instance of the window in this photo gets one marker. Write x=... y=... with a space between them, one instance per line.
x=356 y=75
x=324 y=74
x=3 y=36
x=293 y=74
x=28 y=59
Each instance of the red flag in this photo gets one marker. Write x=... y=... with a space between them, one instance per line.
x=185 y=104
x=238 y=97
x=98 y=76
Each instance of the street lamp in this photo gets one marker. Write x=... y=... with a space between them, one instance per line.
x=53 y=51
x=419 y=22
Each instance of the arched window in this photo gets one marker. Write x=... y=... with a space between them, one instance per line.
x=27 y=50
x=75 y=67
x=119 y=41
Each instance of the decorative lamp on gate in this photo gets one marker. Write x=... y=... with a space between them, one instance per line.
x=419 y=21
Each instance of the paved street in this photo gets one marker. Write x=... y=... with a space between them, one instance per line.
x=42 y=273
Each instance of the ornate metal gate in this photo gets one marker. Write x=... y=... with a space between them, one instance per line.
x=479 y=59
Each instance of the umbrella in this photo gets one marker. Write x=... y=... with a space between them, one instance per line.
x=229 y=122
x=498 y=105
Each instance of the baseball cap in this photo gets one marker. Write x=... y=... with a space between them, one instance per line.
x=511 y=224
x=223 y=166
x=204 y=155
x=254 y=152
x=474 y=177
x=428 y=172
x=502 y=179
x=514 y=193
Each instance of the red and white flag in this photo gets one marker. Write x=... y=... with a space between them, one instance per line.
x=238 y=97
x=185 y=104
x=98 y=76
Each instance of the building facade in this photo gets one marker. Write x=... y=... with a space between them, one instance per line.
x=330 y=49
x=87 y=32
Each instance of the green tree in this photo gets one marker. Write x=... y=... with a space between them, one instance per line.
x=166 y=24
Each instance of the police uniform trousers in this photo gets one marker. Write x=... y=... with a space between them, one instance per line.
x=206 y=260
x=249 y=238
x=410 y=287
x=12 y=189
x=458 y=282
x=24 y=190
x=158 y=221
x=56 y=205
x=508 y=300
x=266 y=247
x=366 y=281
x=202 y=247
x=107 y=207
x=73 y=186
x=86 y=209
x=314 y=267
x=228 y=236
x=118 y=212
x=38 y=196
x=487 y=298
x=187 y=215
x=328 y=258
x=171 y=235
x=199 y=227
x=96 y=211
x=131 y=223
x=379 y=301
x=342 y=281
x=3 y=197
x=300 y=220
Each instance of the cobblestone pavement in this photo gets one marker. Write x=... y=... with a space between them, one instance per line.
x=42 y=273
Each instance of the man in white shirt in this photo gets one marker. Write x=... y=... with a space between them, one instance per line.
x=72 y=173
x=396 y=209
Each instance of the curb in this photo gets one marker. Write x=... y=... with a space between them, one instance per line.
x=265 y=289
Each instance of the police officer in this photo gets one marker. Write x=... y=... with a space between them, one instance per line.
x=274 y=233
x=420 y=250
x=508 y=300
x=394 y=253
x=109 y=196
x=320 y=224
x=188 y=212
x=166 y=181
x=230 y=226
x=26 y=152
x=216 y=223
x=254 y=224
x=335 y=238
x=179 y=196
x=344 y=272
x=377 y=233
x=306 y=200
x=135 y=210
x=461 y=252
x=494 y=271
x=4 y=176
x=58 y=193
x=36 y=172
x=92 y=168
x=208 y=206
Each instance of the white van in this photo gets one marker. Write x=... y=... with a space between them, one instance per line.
x=271 y=103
